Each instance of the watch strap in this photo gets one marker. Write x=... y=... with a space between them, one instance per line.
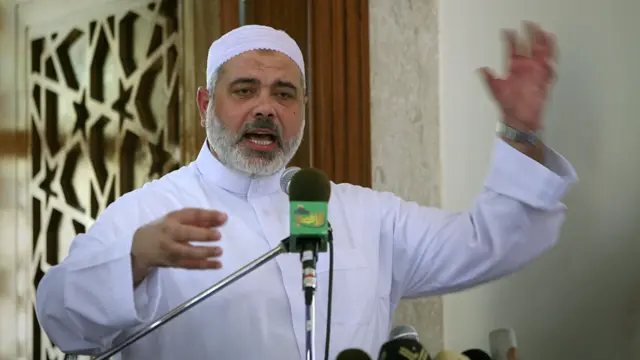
x=504 y=130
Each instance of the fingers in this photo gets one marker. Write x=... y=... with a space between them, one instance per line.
x=186 y=255
x=543 y=47
x=517 y=49
x=549 y=57
x=187 y=233
x=512 y=354
x=536 y=40
x=178 y=252
x=198 y=217
x=552 y=47
x=511 y=37
x=200 y=264
x=167 y=241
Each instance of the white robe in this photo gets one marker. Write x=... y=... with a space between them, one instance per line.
x=385 y=249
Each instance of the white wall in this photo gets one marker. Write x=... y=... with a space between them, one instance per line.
x=403 y=42
x=581 y=300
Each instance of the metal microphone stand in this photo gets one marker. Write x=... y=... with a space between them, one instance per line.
x=309 y=247
x=309 y=258
x=282 y=248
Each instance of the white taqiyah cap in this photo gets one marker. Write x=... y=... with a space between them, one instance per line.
x=252 y=37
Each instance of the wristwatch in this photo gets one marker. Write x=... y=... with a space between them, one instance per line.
x=526 y=137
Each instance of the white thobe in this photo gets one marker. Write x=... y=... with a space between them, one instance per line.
x=385 y=249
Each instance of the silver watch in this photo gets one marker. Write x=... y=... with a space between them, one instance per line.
x=526 y=137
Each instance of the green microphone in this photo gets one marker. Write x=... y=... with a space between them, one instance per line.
x=309 y=192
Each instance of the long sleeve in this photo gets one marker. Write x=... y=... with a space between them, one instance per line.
x=88 y=300
x=516 y=217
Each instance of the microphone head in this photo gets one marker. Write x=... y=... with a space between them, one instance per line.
x=285 y=178
x=353 y=354
x=500 y=341
x=403 y=332
x=450 y=355
x=310 y=185
x=476 y=354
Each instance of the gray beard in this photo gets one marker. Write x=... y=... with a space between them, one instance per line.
x=229 y=150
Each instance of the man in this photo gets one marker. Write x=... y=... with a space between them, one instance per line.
x=158 y=246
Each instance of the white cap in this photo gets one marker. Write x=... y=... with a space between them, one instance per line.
x=252 y=37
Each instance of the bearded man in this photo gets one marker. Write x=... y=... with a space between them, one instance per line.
x=158 y=246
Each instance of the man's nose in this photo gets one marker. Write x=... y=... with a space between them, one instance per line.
x=264 y=107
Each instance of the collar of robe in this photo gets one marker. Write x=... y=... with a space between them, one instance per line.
x=214 y=172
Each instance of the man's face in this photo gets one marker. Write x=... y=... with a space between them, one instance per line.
x=256 y=121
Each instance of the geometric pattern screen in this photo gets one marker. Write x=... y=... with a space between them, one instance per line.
x=104 y=116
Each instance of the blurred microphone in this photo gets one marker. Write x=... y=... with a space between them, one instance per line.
x=476 y=354
x=450 y=355
x=500 y=342
x=403 y=332
x=285 y=178
x=353 y=354
x=403 y=344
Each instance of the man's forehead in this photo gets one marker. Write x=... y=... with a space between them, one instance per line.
x=256 y=62
x=261 y=60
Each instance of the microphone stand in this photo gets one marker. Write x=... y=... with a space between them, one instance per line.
x=309 y=258
x=309 y=247
x=238 y=274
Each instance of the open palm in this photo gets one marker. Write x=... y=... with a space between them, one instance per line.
x=522 y=94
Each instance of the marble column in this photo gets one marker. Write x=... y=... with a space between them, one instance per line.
x=405 y=124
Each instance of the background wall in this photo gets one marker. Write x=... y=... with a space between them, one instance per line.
x=581 y=300
x=404 y=122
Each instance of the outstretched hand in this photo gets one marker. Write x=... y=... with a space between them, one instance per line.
x=522 y=94
x=167 y=242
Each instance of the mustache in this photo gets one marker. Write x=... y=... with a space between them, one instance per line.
x=262 y=123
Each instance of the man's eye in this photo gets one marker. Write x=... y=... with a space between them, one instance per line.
x=242 y=91
x=285 y=95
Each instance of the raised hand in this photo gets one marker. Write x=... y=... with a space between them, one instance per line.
x=522 y=94
x=167 y=242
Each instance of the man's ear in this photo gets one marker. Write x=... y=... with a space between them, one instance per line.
x=202 y=98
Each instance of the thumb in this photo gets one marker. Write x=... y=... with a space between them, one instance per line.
x=489 y=78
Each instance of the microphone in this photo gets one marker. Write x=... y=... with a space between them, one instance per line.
x=309 y=192
x=501 y=341
x=285 y=178
x=312 y=186
x=450 y=355
x=285 y=182
x=403 y=344
x=353 y=354
x=476 y=354
x=403 y=332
